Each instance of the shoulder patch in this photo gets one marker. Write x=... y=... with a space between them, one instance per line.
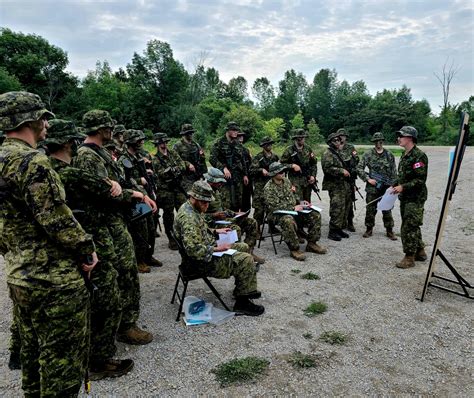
x=354 y=152
x=417 y=165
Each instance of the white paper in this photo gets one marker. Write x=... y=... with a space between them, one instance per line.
x=316 y=208
x=305 y=211
x=242 y=214
x=229 y=237
x=289 y=212
x=223 y=222
x=229 y=252
x=388 y=200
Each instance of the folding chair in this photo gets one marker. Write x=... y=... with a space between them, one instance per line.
x=270 y=235
x=190 y=270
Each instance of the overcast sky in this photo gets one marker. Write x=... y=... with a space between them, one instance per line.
x=385 y=43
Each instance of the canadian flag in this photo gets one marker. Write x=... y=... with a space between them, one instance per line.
x=417 y=165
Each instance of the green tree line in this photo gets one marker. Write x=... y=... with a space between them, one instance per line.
x=155 y=92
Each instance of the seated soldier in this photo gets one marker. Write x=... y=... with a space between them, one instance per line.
x=215 y=212
x=279 y=195
x=199 y=242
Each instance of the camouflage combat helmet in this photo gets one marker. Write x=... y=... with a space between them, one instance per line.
x=276 y=168
x=408 y=131
x=298 y=133
x=214 y=175
x=187 y=129
x=266 y=141
x=160 y=138
x=18 y=107
x=378 y=136
x=96 y=119
x=133 y=136
x=342 y=132
x=232 y=126
x=62 y=131
x=332 y=136
x=201 y=190
x=119 y=129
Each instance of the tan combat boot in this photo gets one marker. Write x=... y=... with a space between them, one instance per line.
x=314 y=247
x=390 y=234
x=143 y=268
x=135 y=336
x=154 y=262
x=257 y=259
x=421 y=255
x=368 y=233
x=407 y=262
x=297 y=255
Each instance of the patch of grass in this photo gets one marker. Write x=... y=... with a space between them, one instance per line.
x=310 y=276
x=240 y=370
x=332 y=337
x=295 y=271
x=315 y=308
x=300 y=360
x=308 y=335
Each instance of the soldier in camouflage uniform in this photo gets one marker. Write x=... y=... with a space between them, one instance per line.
x=169 y=169
x=351 y=160
x=199 y=242
x=192 y=154
x=279 y=195
x=118 y=139
x=382 y=173
x=143 y=230
x=85 y=195
x=302 y=165
x=45 y=252
x=336 y=182
x=92 y=157
x=215 y=212
x=411 y=186
x=228 y=155
x=259 y=173
x=247 y=189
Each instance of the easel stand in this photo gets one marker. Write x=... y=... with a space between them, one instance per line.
x=451 y=187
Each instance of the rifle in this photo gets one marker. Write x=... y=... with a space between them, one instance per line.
x=305 y=173
x=381 y=179
x=150 y=186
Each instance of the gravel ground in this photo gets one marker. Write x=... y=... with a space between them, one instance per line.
x=397 y=345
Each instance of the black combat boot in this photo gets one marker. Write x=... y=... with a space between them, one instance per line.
x=14 y=361
x=244 y=306
x=342 y=234
x=333 y=235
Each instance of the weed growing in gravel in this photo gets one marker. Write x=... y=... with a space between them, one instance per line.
x=308 y=335
x=310 y=276
x=295 y=271
x=332 y=337
x=300 y=360
x=240 y=369
x=315 y=308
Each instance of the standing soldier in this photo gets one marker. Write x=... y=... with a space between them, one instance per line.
x=336 y=182
x=92 y=157
x=351 y=159
x=143 y=230
x=192 y=154
x=169 y=169
x=87 y=196
x=382 y=174
x=411 y=185
x=247 y=189
x=118 y=138
x=45 y=250
x=302 y=165
x=227 y=155
x=259 y=172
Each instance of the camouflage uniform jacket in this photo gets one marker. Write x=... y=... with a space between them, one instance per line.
x=230 y=155
x=134 y=174
x=192 y=153
x=351 y=158
x=333 y=168
x=168 y=170
x=43 y=241
x=305 y=158
x=260 y=162
x=412 y=174
x=192 y=230
x=279 y=197
x=216 y=206
x=382 y=164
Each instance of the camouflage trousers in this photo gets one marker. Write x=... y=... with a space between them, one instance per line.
x=54 y=330
x=258 y=202
x=339 y=207
x=247 y=193
x=241 y=266
x=412 y=220
x=371 y=211
x=227 y=202
x=169 y=201
x=289 y=226
x=143 y=235
x=303 y=190
x=126 y=266
x=249 y=227
x=15 y=340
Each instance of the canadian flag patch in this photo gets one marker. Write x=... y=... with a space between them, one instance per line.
x=354 y=152
x=417 y=165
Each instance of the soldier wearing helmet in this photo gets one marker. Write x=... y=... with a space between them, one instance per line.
x=45 y=250
x=382 y=173
x=412 y=190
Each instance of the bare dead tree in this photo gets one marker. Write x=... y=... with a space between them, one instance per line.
x=446 y=78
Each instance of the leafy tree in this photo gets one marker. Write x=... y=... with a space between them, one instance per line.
x=236 y=90
x=247 y=118
x=297 y=122
x=273 y=128
x=264 y=92
x=314 y=132
x=292 y=91
x=8 y=82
